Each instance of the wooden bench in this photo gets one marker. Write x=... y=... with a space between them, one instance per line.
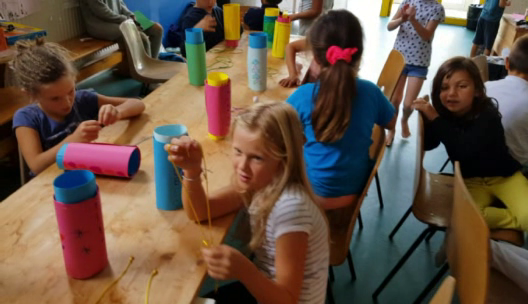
x=82 y=48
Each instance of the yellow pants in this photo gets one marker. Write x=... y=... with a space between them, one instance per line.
x=511 y=191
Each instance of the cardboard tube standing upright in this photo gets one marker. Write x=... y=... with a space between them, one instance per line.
x=270 y=16
x=232 y=24
x=281 y=37
x=168 y=186
x=195 y=50
x=80 y=221
x=218 y=104
x=257 y=61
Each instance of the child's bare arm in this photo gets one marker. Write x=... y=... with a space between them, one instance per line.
x=291 y=50
x=398 y=19
x=31 y=147
x=112 y=109
x=427 y=32
x=314 y=12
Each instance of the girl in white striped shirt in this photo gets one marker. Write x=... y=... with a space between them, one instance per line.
x=289 y=231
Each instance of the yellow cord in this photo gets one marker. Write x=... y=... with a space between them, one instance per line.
x=152 y=275
x=131 y=259
x=205 y=241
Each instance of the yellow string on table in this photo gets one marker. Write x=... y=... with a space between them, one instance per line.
x=131 y=259
x=152 y=275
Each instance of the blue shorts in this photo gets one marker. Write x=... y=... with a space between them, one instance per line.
x=486 y=33
x=415 y=71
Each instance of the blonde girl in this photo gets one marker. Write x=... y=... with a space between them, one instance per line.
x=58 y=113
x=289 y=232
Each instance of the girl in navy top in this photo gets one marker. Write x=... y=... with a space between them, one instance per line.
x=58 y=114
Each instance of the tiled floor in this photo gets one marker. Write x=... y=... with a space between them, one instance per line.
x=374 y=255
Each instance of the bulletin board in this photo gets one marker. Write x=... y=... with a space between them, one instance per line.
x=16 y=9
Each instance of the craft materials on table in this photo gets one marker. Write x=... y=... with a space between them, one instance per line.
x=80 y=221
x=104 y=159
x=270 y=16
x=168 y=185
x=218 y=104
x=257 y=61
x=16 y=31
x=281 y=36
x=232 y=24
x=195 y=49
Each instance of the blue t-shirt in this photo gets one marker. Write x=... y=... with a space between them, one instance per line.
x=51 y=132
x=492 y=11
x=342 y=167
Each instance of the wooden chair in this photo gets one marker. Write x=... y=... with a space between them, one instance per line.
x=143 y=68
x=482 y=63
x=387 y=81
x=444 y=295
x=342 y=220
x=391 y=72
x=468 y=254
x=431 y=205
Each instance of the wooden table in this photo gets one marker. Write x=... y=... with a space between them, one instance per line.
x=31 y=263
x=507 y=34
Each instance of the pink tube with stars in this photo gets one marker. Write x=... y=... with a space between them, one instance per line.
x=81 y=229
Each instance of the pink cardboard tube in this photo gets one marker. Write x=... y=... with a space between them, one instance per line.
x=82 y=237
x=218 y=106
x=104 y=159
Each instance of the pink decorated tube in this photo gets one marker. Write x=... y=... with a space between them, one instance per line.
x=103 y=159
x=218 y=104
x=82 y=237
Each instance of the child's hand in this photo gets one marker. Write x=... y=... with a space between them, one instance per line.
x=225 y=262
x=425 y=107
x=405 y=15
x=108 y=114
x=411 y=12
x=290 y=82
x=87 y=131
x=208 y=24
x=186 y=153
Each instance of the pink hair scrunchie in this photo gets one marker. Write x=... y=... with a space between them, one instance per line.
x=335 y=53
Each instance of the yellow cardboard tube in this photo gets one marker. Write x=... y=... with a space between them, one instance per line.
x=281 y=38
x=217 y=79
x=232 y=21
x=271 y=12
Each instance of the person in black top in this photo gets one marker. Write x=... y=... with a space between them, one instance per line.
x=207 y=16
x=254 y=17
x=468 y=123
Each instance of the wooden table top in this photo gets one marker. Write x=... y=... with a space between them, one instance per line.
x=31 y=263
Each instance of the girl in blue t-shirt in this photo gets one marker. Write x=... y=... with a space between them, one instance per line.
x=338 y=111
x=58 y=113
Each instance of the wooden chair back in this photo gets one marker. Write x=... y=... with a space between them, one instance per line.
x=482 y=63
x=444 y=295
x=341 y=235
x=391 y=72
x=468 y=249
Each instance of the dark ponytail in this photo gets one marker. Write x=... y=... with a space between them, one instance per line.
x=337 y=82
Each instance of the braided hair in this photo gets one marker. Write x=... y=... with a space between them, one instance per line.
x=37 y=63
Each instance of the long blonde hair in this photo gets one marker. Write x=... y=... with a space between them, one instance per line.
x=280 y=128
x=37 y=63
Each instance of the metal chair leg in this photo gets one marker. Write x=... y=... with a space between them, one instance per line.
x=400 y=263
x=430 y=236
x=445 y=164
x=331 y=274
x=329 y=293
x=378 y=187
x=393 y=232
x=432 y=284
x=351 y=266
x=360 y=221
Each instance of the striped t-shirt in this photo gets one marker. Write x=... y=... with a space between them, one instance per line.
x=304 y=24
x=295 y=212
